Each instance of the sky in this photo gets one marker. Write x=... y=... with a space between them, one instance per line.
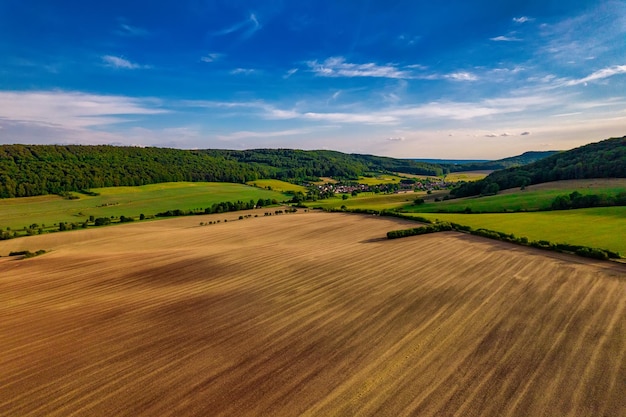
x=453 y=79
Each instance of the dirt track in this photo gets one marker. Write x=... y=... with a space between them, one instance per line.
x=306 y=314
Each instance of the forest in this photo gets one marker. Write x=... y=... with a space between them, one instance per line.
x=31 y=170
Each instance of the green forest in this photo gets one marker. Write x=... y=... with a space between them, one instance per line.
x=31 y=170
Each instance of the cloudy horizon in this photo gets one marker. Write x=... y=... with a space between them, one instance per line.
x=471 y=80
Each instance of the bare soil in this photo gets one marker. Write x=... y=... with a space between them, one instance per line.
x=311 y=314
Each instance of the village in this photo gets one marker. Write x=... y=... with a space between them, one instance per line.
x=404 y=185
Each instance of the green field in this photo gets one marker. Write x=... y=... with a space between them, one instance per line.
x=595 y=227
x=278 y=185
x=18 y=213
x=467 y=176
x=531 y=199
x=380 y=179
x=370 y=201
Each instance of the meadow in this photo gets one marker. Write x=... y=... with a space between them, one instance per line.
x=278 y=185
x=467 y=175
x=17 y=213
x=308 y=314
x=371 y=201
x=603 y=227
x=532 y=198
x=380 y=179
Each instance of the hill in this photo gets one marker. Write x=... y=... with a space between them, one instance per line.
x=605 y=159
x=510 y=162
x=31 y=170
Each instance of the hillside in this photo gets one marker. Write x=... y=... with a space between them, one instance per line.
x=605 y=159
x=31 y=170
x=510 y=162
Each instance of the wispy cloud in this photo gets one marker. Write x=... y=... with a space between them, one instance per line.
x=505 y=39
x=72 y=110
x=290 y=73
x=125 y=29
x=522 y=19
x=211 y=57
x=119 y=62
x=462 y=76
x=243 y=71
x=599 y=75
x=246 y=28
x=338 y=67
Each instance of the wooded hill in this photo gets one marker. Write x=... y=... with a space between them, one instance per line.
x=30 y=170
x=513 y=161
x=605 y=159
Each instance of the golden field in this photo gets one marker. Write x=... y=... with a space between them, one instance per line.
x=305 y=314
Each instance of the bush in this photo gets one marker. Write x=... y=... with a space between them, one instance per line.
x=102 y=221
x=592 y=253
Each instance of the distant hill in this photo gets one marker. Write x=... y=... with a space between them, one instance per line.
x=605 y=159
x=513 y=161
x=451 y=161
x=30 y=170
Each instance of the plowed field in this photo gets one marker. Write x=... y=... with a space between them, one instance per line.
x=305 y=314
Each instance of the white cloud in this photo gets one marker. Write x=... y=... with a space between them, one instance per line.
x=599 y=75
x=72 y=110
x=522 y=19
x=212 y=57
x=338 y=67
x=244 y=71
x=118 y=62
x=245 y=28
x=505 y=39
x=462 y=76
x=131 y=31
x=491 y=135
x=290 y=73
x=396 y=139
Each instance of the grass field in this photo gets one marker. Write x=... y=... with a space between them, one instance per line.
x=467 y=175
x=17 y=213
x=307 y=314
x=596 y=227
x=535 y=197
x=370 y=201
x=380 y=179
x=278 y=185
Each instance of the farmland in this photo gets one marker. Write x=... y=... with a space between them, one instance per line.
x=602 y=227
x=305 y=314
x=128 y=201
x=370 y=201
x=278 y=185
x=535 y=197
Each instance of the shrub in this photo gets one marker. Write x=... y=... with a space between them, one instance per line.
x=592 y=253
x=102 y=221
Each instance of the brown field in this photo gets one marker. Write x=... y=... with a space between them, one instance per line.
x=311 y=314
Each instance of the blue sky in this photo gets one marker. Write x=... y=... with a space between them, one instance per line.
x=451 y=79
